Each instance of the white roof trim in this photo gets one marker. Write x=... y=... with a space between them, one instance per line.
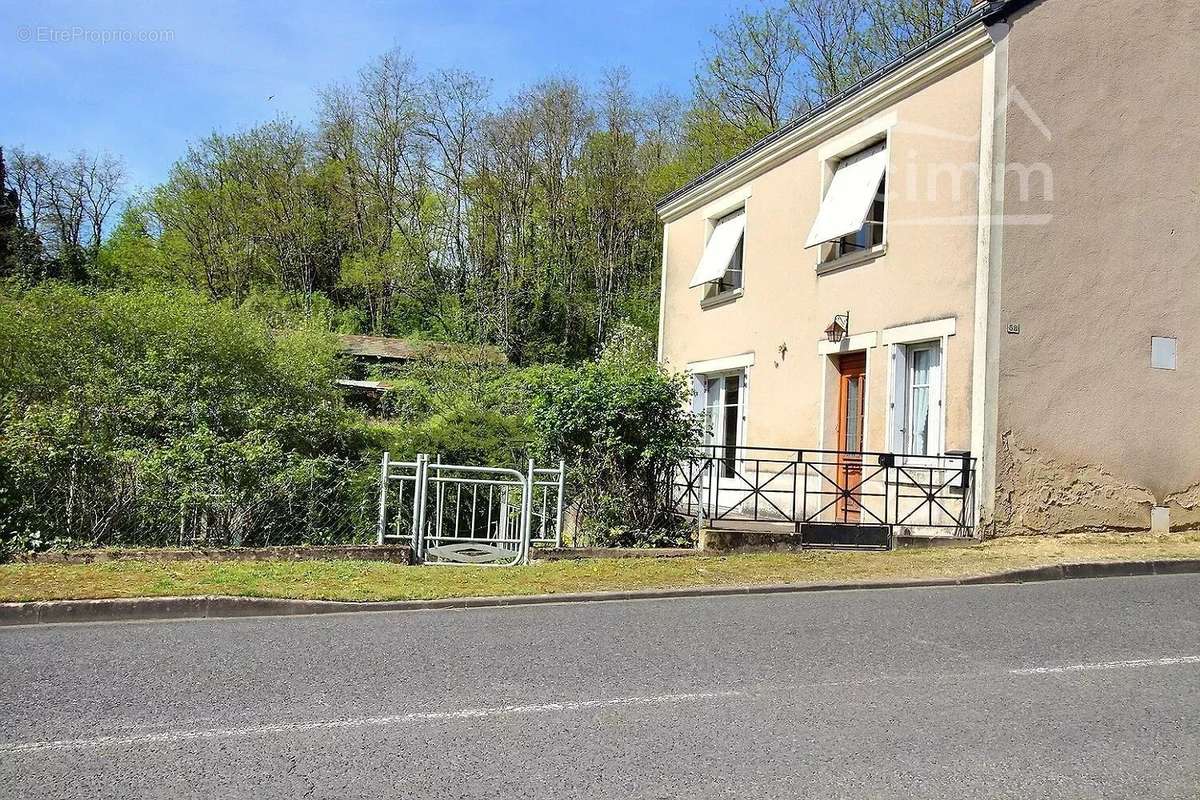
x=728 y=203
x=851 y=193
x=719 y=251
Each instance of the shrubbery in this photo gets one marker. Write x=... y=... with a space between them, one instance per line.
x=153 y=419
x=149 y=418
x=621 y=425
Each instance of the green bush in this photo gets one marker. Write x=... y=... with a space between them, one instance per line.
x=155 y=419
x=464 y=432
x=149 y=418
x=621 y=425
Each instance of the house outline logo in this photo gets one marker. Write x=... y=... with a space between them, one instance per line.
x=934 y=184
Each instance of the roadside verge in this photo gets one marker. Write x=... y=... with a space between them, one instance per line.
x=218 y=606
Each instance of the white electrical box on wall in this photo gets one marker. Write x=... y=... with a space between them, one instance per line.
x=1162 y=352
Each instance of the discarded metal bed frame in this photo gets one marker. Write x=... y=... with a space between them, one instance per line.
x=828 y=492
x=443 y=512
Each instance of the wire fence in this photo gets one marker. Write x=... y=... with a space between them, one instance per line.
x=326 y=501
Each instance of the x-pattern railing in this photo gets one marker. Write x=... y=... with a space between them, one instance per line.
x=756 y=489
x=844 y=493
x=827 y=486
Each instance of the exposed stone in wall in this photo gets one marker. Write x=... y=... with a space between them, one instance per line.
x=1036 y=494
x=1185 y=508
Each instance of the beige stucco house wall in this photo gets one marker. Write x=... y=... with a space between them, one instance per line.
x=1090 y=435
x=926 y=274
x=1041 y=224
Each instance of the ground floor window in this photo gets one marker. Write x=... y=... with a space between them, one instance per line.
x=917 y=398
x=724 y=399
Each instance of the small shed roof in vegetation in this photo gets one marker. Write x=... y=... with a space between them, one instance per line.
x=386 y=348
x=364 y=386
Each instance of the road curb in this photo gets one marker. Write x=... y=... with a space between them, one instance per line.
x=218 y=606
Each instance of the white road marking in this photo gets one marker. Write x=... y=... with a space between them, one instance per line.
x=1134 y=664
x=168 y=737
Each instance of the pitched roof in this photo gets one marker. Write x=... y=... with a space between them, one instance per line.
x=986 y=13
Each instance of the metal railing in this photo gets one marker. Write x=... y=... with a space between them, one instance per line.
x=927 y=494
x=455 y=513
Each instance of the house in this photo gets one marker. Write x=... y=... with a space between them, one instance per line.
x=965 y=295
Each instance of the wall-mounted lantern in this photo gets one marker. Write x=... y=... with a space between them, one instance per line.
x=839 y=328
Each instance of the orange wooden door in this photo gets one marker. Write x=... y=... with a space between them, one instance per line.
x=852 y=379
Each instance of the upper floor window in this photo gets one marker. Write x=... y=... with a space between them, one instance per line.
x=851 y=218
x=720 y=268
x=869 y=236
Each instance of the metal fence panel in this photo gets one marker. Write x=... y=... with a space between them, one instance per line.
x=465 y=514
x=926 y=494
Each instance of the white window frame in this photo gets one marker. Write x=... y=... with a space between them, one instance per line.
x=700 y=382
x=867 y=135
x=932 y=387
x=900 y=394
x=828 y=250
x=712 y=289
x=720 y=208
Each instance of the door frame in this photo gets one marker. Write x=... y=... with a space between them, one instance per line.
x=849 y=467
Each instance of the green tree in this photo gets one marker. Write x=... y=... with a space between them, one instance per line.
x=8 y=219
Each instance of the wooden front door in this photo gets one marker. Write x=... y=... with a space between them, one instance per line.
x=852 y=379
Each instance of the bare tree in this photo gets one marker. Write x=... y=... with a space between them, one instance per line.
x=30 y=175
x=661 y=128
x=615 y=196
x=455 y=107
x=835 y=47
x=897 y=26
x=67 y=203
x=764 y=66
x=373 y=133
x=98 y=181
x=749 y=75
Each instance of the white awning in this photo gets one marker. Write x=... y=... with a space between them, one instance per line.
x=719 y=251
x=848 y=201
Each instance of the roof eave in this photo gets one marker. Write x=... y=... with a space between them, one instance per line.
x=982 y=16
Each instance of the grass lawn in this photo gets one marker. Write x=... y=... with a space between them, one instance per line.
x=362 y=580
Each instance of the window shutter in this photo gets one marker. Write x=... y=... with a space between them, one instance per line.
x=937 y=418
x=850 y=196
x=719 y=251
x=899 y=396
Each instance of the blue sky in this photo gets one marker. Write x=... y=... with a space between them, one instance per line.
x=62 y=89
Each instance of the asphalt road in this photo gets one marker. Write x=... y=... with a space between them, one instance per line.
x=1074 y=689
